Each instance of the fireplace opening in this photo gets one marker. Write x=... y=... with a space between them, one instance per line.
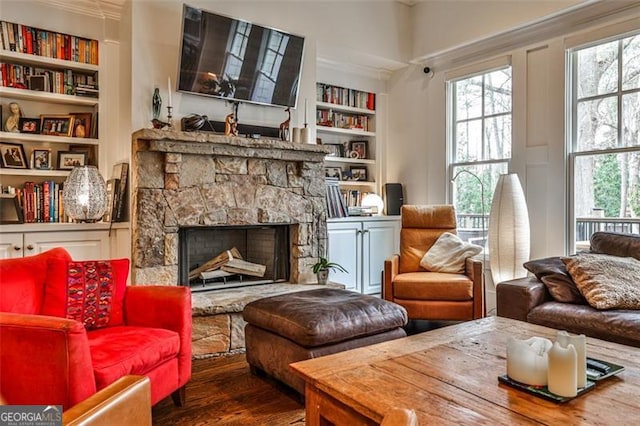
x=226 y=256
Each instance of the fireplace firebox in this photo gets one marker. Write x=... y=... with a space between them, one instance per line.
x=265 y=246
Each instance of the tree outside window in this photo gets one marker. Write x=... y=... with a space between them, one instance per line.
x=480 y=142
x=605 y=137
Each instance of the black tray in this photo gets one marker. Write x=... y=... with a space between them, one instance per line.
x=543 y=391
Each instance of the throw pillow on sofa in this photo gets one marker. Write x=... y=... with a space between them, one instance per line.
x=448 y=254
x=91 y=292
x=607 y=282
x=553 y=273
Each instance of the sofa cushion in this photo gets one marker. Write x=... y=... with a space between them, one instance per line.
x=319 y=317
x=91 y=292
x=553 y=273
x=432 y=286
x=118 y=351
x=621 y=326
x=623 y=245
x=448 y=254
x=607 y=282
x=23 y=281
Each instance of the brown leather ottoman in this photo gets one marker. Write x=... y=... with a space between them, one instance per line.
x=309 y=324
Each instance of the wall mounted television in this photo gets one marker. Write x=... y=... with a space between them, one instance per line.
x=236 y=60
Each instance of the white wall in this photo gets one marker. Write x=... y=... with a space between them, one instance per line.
x=376 y=34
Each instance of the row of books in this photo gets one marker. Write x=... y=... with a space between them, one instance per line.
x=333 y=199
x=346 y=97
x=354 y=197
x=117 y=194
x=66 y=82
x=332 y=118
x=40 y=202
x=24 y=39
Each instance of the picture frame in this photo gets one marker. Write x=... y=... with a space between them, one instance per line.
x=67 y=160
x=10 y=210
x=336 y=150
x=82 y=122
x=359 y=174
x=346 y=175
x=89 y=150
x=360 y=147
x=39 y=83
x=333 y=172
x=56 y=125
x=29 y=125
x=41 y=159
x=12 y=156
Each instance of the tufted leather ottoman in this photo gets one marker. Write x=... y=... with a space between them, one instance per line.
x=308 y=324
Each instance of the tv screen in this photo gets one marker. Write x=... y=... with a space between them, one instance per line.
x=238 y=61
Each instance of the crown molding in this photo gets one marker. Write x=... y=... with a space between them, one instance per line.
x=364 y=70
x=594 y=13
x=104 y=9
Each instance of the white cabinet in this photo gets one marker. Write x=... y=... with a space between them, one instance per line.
x=82 y=245
x=361 y=245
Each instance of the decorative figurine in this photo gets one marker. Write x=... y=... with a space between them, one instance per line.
x=284 y=126
x=157 y=103
x=230 y=125
x=12 y=123
x=157 y=124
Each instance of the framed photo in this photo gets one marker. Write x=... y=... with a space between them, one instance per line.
x=346 y=175
x=10 y=210
x=56 y=125
x=359 y=147
x=67 y=160
x=41 y=159
x=29 y=125
x=13 y=156
x=89 y=150
x=81 y=124
x=336 y=150
x=333 y=172
x=359 y=173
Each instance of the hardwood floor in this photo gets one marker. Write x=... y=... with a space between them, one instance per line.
x=222 y=391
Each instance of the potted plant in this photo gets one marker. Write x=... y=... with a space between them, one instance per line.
x=322 y=267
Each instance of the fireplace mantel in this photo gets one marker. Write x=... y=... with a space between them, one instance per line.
x=191 y=179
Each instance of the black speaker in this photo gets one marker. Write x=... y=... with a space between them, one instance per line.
x=394 y=198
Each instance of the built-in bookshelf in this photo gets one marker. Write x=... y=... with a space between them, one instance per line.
x=51 y=78
x=346 y=122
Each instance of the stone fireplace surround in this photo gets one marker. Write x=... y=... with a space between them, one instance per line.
x=182 y=179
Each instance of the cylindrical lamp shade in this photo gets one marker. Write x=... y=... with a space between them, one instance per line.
x=509 y=238
x=85 y=194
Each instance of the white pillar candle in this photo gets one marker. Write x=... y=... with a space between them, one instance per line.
x=169 y=87
x=579 y=342
x=295 y=135
x=527 y=360
x=304 y=135
x=562 y=378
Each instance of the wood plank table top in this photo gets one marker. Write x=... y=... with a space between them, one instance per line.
x=450 y=376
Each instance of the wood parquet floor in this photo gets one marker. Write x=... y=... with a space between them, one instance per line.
x=222 y=391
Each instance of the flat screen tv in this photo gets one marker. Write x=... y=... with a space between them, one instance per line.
x=236 y=60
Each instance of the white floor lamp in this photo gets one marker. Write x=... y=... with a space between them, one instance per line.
x=509 y=238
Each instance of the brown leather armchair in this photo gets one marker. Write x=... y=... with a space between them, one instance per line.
x=431 y=295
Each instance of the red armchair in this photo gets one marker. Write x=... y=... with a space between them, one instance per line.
x=52 y=360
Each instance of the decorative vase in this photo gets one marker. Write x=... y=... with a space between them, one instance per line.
x=323 y=276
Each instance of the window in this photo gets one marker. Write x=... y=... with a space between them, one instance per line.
x=604 y=148
x=272 y=57
x=479 y=142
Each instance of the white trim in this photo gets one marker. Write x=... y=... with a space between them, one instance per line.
x=366 y=71
x=478 y=68
x=599 y=35
x=109 y=9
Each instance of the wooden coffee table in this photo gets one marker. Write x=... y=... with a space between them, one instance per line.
x=450 y=376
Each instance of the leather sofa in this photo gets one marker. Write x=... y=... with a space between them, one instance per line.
x=528 y=299
x=50 y=359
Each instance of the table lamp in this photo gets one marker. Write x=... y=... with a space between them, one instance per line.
x=85 y=194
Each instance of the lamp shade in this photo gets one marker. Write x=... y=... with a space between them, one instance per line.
x=509 y=237
x=373 y=200
x=85 y=194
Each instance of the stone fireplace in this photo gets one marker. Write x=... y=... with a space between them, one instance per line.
x=183 y=180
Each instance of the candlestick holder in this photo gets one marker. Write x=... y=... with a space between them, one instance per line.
x=169 y=109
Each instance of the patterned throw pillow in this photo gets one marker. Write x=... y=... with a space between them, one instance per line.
x=91 y=292
x=607 y=282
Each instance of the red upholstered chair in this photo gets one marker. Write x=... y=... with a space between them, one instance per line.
x=48 y=359
x=431 y=295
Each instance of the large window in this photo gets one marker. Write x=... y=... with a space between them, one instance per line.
x=605 y=138
x=480 y=143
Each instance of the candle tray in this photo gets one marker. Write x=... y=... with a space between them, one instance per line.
x=543 y=391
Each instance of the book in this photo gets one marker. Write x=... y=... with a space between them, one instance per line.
x=112 y=186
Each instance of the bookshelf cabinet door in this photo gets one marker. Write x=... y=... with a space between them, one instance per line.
x=11 y=246
x=379 y=241
x=82 y=245
x=344 y=247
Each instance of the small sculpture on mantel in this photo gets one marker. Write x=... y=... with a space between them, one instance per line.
x=230 y=125
x=156 y=103
x=157 y=124
x=284 y=126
